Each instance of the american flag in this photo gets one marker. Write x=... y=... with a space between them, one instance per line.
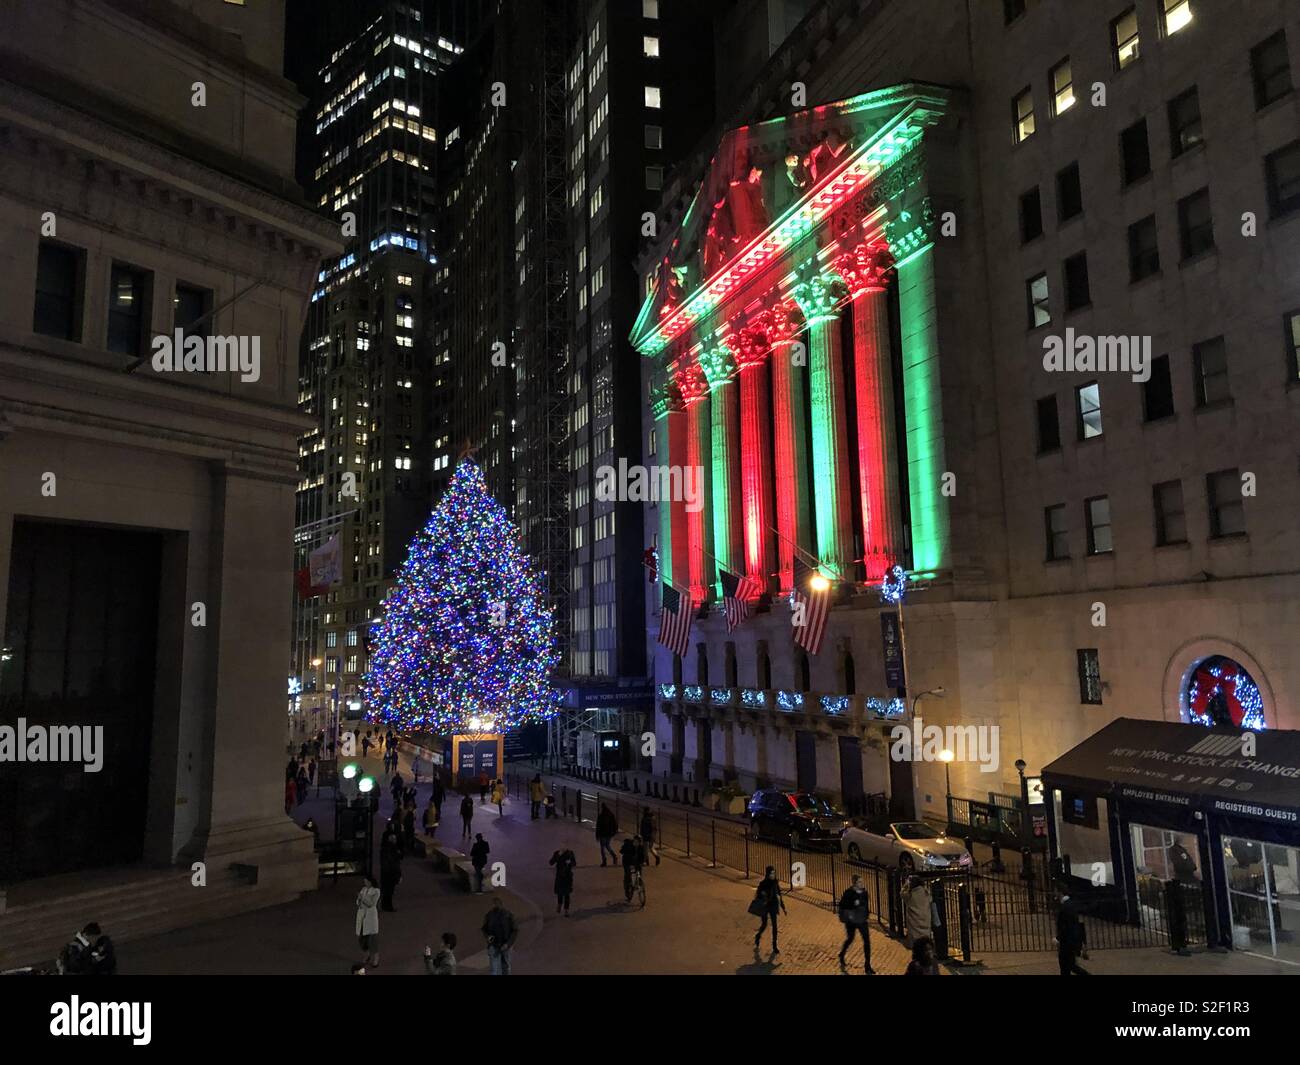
x=675 y=621
x=815 y=605
x=737 y=591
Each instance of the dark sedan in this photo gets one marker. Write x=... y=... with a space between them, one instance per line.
x=796 y=818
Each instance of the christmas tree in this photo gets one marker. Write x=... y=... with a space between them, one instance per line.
x=466 y=634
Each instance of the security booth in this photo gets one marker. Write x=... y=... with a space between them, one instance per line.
x=1190 y=830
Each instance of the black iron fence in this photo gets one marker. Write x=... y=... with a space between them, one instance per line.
x=973 y=911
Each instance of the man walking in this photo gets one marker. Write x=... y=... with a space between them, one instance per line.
x=439 y=793
x=606 y=830
x=1071 y=939
x=536 y=793
x=500 y=930
x=648 y=834
x=854 y=911
x=478 y=856
x=466 y=816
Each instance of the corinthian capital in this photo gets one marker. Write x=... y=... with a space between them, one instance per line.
x=864 y=268
x=817 y=297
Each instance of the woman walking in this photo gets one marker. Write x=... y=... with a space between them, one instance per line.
x=499 y=795
x=767 y=904
x=564 y=862
x=368 y=922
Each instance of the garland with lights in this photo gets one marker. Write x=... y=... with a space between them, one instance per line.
x=467 y=633
x=894 y=587
x=1221 y=693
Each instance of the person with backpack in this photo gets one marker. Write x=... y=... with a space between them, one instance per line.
x=466 y=815
x=478 y=856
x=606 y=830
x=767 y=903
x=854 y=911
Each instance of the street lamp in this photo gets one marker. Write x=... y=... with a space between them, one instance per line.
x=946 y=756
x=818 y=582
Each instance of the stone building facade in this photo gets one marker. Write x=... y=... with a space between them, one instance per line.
x=936 y=194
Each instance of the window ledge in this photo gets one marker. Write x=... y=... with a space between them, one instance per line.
x=1195 y=149
x=1164 y=419
x=1222 y=404
x=1175 y=545
x=1229 y=538
x=1200 y=257
x=1155 y=275
x=1276 y=104
x=1138 y=181
x=1093 y=556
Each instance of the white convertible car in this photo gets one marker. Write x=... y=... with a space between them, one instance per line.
x=907 y=844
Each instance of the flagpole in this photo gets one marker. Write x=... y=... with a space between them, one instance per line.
x=816 y=562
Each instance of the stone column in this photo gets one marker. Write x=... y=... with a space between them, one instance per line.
x=719 y=367
x=864 y=270
x=752 y=351
x=793 y=515
x=817 y=298
x=699 y=450
x=667 y=408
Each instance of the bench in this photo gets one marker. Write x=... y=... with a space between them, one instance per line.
x=445 y=857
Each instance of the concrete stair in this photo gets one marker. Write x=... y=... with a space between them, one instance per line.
x=129 y=905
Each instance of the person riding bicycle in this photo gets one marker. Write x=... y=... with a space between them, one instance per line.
x=633 y=857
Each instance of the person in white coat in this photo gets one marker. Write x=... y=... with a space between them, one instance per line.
x=368 y=922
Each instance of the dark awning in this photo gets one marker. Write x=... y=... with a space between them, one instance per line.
x=1187 y=765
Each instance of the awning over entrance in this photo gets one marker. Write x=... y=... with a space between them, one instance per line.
x=1188 y=765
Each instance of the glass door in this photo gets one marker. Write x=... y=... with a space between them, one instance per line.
x=1264 y=896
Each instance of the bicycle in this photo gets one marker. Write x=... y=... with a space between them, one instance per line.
x=636 y=885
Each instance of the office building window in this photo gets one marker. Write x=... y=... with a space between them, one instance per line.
x=1022 y=108
x=1031 y=215
x=1036 y=295
x=1069 y=193
x=649 y=8
x=654 y=177
x=1291 y=337
x=1178 y=14
x=128 y=311
x=650 y=47
x=1135 y=152
x=1088 y=410
x=654 y=137
x=1058 y=541
x=1184 y=122
x=60 y=272
x=1210 y=363
x=1062 y=87
x=1270 y=69
x=1171 y=523
x=1227 y=511
x=1195 y=224
x=1077 y=292
x=1012 y=10
x=1089 y=664
x=1282 y=176
x=1158 y=391
x=652 y=96
x=1049 y=425
x=1124 y=39
x=1143 y=251
x=1096 y=512
x=190 y=307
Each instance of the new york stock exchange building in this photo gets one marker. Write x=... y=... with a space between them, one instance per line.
x=839 y=331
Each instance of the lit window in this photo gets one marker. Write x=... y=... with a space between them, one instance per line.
x=1097 y=513
x=652 y=97
x=649 y=8
x=1124 y=39
x=1088 y=403
x=650 y=46
x=1023 y=111
x=1062 y=87
x=1178 y=13
x=404 y=279
x=1040 y=312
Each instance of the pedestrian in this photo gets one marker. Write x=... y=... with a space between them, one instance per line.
x=311 y=771
x=444 y=962
x=606 y=829
x=290 y=795
x=564 y=861
x=390 y=868
x=291 y=770
x=1071 y=938
x=301 y=785
x=466 y=815
x=408 y=825
x=416 y=768
x=499 y=795
x=366 y=745
x=89 y=953
x=648 y=833
x=854 y=911
x=389 y=738
x=478 y=856
x=536 y=793
x=438 y=794
x=483 y=785
x=500 y=930
x=396 y=787
x=368 y=922
x=918 y=909
x=767 y=903
x=430 y=818
x=923 y=961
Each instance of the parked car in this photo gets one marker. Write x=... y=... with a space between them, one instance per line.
x=909 y=845
x=798 y=818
